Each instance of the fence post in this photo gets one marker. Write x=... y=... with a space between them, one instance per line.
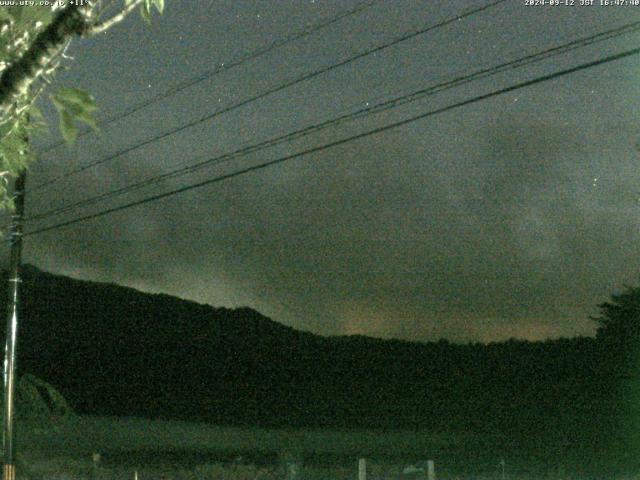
x=431 y=470
x=362 y=469
x=96 y=462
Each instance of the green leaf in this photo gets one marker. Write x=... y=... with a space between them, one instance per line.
x=159 y=4
x=146 y=7
x=89 y=120
x=68 y=127
x=145 y=10
x=35 y=115
x=76 y=99
x=74 y=104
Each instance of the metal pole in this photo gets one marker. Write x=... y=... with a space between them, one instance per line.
x=9 y=471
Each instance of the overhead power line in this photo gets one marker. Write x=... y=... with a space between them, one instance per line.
x=223 y=67
x=336 y=143
x=385 y=105
x=291 y=83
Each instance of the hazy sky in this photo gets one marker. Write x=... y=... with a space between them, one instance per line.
x=514 y=216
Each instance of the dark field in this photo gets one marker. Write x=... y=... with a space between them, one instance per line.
x=185 y=450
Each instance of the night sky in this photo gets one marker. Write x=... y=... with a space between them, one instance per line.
x=511 y=217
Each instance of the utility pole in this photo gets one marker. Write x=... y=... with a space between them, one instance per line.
x=15 y=238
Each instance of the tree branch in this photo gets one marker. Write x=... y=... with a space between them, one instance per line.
x=17 y=78
x=107 y=24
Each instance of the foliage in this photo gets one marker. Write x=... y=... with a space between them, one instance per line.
x=18 y=28
x=33 y=40
x=39 y=404
x=619 y=320
x=73 y=104
x=618 y=338
x=39 y=401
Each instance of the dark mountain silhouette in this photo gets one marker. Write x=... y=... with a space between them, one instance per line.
x=117 y=351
